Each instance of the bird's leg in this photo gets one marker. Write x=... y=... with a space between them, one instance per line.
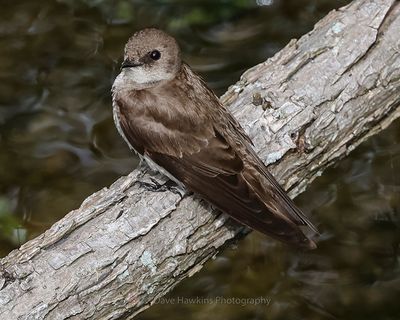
x=156 y=186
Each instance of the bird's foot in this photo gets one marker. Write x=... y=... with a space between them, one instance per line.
x=155 y=186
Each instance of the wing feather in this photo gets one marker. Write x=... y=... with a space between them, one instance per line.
x=228 y=188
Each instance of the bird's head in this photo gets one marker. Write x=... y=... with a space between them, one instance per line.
x=151 y=57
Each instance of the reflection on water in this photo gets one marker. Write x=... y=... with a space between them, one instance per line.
x=58 y=145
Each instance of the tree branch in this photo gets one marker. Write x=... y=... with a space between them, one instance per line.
x=305 y=108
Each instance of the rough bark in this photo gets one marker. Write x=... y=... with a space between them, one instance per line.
x=305 y=108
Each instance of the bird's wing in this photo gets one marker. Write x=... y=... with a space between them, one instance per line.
x=220 y=175
x=296 y=214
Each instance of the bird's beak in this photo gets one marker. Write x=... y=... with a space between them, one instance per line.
x=130 y=64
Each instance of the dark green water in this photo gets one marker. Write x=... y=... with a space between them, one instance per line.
x=58 y=144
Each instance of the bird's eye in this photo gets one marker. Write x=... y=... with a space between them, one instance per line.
x=155 y=54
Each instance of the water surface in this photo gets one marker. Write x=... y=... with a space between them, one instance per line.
x=58 y=145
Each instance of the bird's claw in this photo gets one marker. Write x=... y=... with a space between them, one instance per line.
x=155 y=186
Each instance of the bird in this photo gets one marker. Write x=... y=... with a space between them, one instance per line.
x=167 y=114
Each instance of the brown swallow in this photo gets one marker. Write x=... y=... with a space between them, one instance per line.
x=168 y=115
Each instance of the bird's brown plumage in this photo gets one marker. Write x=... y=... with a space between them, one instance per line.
x=181 y=126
